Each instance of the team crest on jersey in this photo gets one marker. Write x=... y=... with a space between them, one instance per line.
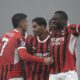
x=57 y=41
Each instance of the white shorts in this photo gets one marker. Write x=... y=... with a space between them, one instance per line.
x=17 y=78
x=70 y=75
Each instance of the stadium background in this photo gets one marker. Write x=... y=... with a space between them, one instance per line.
x=35 y=8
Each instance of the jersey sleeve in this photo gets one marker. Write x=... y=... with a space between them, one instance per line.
x=24 y=55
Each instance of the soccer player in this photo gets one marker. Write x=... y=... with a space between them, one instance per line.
x=63 y=43
x=13 y=51
x=39 y=46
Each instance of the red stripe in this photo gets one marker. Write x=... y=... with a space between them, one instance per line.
x=44 y=47
x=61 y=57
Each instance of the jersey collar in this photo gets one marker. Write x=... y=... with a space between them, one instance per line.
x=43 y=41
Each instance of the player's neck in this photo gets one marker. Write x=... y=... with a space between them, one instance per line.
x=58 y=29
x=44 y=35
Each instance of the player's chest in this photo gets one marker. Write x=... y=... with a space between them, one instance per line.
x=41 y=49
x=59 y=40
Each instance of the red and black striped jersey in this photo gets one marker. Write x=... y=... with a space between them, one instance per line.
x=63 y=44
x=12 y=54
x=28 y=65
x=39 y=49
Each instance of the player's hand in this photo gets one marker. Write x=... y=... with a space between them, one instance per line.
x=48 y=60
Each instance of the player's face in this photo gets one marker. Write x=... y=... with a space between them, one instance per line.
x=36 y=28
x=56 y=22
x=24 y=24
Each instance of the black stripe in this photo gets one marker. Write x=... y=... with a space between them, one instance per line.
x=36 y=46
x=53 y=53
x=40 y=67
x=46 y=67
x=46 y=72
x=23 y=68
x=2 y=73
x=25 y=77
x=35 y=65
x=6 y=72
x=26 y=45
x=30 y=46
x=48 y=45
x=58 y=58
x=53 y=65
x=33 y=72
x=64 y=49
x=11 y=66
x=40 y=71
x=58 y=55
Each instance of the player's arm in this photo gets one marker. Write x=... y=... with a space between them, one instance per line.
x=74 y=29
x=24 y=55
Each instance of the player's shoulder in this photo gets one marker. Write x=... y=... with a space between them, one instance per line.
x=72 y=25
x=72 y=29
x=17 y=34
x=69 y=26
x=8 y=34
x=12 y=34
